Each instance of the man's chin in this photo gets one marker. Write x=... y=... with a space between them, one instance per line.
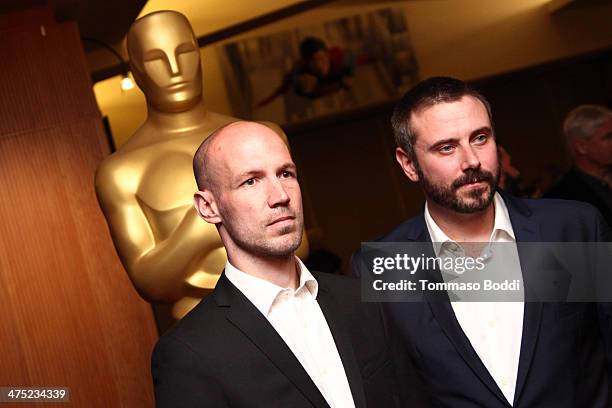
x=475 y=201
x=288 y=242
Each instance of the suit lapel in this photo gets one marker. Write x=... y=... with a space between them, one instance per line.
x=526 y=229
x=329 y=307
x=245 y=316
x=445 y=316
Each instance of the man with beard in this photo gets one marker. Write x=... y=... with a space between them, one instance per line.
x=271 y=334
x=489 y=354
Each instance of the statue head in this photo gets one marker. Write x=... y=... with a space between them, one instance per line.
x=165 y=60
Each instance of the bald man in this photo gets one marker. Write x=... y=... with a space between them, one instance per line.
x=271 y=334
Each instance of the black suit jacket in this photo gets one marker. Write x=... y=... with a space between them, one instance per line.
x=572 y=186
x=225 y=353
x=565 y=356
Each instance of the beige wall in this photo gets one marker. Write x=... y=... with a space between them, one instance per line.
x=468 y=39
x=472 y=39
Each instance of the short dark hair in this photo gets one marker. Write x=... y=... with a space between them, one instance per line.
x=309 y=46
x=427 y=93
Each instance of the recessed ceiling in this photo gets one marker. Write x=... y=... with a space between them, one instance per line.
x=106 y=21
x=109 y=20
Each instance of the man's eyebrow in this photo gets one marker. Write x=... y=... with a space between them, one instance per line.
x=247 y=174
x=484 y=129
x=451 y=140
x=255 y=172
x=288 y=166
x=443 y=142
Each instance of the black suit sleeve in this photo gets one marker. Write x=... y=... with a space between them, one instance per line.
x=179 y=379
x=604 y=309
x=410 y=384
x=412 y=392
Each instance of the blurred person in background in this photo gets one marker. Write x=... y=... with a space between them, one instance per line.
x=588 y=133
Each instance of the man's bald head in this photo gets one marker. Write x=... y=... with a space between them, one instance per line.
x=203 y=169
x=248 y=188
x=206 y=166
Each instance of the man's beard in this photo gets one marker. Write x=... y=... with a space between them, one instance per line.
x=447 y=195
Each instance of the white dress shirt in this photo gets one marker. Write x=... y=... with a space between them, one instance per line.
x=298 y=319
x=493 y=328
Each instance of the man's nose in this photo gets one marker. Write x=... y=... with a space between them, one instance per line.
x=470 y=159
x=277 y=194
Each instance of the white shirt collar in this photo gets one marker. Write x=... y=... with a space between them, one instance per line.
x=263 y=293
x=502 y=222
x=501 y=225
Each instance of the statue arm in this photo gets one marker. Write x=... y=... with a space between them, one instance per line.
x=157 y=269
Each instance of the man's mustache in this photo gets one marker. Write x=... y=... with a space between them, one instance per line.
x=473 y=176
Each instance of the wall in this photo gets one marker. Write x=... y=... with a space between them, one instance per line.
x=469 y=39
x=70 y=316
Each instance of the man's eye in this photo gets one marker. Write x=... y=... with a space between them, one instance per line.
x=446 y=149
x=249 y=182
x=286 y=174
x=480 y=139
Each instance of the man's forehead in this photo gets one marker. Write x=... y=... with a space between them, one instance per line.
x=248 y=146
x=464 y=104
x=461 y=114
x=240 y=134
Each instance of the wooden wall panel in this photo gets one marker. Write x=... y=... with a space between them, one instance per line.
x=68 y=312
x=44 y=78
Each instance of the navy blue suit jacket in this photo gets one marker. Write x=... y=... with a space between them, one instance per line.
x=565 y=359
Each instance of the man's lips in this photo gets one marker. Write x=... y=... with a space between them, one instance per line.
x=282 y=220
x=473 y=183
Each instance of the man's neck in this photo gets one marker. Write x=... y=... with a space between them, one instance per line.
x=460 y=227
x=171 y=122
x=281 y=271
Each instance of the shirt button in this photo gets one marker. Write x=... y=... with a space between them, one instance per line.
x=491 y=323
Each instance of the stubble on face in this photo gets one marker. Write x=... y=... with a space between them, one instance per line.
x=449 y=196
x=286 y=239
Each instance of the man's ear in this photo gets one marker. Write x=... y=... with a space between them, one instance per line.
x=206 y=207
x=407 y=164
x=580 y=146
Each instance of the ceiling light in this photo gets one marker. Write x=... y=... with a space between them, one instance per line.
x=126 y=83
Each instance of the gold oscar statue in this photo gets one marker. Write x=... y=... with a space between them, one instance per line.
x=146 y=188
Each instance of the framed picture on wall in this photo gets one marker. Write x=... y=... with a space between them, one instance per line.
x=320 y=69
